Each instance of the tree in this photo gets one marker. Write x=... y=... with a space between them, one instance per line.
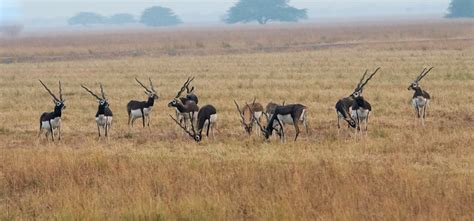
x=11 y=30
x=461 y=9
x=87 y=18
x=121 y=18
x=263 y=11
x=159 y=16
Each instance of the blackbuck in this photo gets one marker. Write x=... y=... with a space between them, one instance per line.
x=361 y=108
x=206 y=118
x=104 y=115
x=142 y=109
x=183 y=114
x=292 y=114
x=249 y=114
x=343 y=111
x=186 y=112
x=345 y=106
x=51 y=121
x=421 y=98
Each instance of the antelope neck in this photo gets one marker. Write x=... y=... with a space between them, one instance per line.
x=57 y=111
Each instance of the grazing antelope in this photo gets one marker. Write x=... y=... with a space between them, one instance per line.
x=250 y=114
x=420 y=98
x=104 y=115
x=184 y=117
x=137 y=109
x=343 y=110
x=361 y=108
x=51 y=121
x=206 y=118
x=293 y=114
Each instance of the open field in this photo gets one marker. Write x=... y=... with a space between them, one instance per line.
x=400 y=171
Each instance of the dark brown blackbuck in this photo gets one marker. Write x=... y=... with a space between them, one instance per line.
x=206 y=119
x=104 y=115
x=355 y=109
x=361 y=108
x=183 y=114
x=292 y=114
x=50 y=122
x=421 y=98
x=141 y=109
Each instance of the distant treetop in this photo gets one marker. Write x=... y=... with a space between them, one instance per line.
x=461 y=9
x=264 y=11
x=159 y=16
x=91 y=18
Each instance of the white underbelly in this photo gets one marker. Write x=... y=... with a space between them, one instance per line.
x=54 y=123
x=419 y=101
x=339 y=115
x=138 y=113
x=102 y=120
x=213 y=118
x=360 y=113
x=285 y=119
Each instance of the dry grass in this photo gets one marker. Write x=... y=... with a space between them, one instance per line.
x=399 y=171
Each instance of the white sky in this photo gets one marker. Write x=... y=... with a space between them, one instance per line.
x=213 y=10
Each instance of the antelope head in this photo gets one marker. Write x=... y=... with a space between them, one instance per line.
x=150 y=92
x=186 y=88
x=193 y=134
x=103 y=102
x=58 y=102
x=247 y=116
x=416 y=84
x=360 y=86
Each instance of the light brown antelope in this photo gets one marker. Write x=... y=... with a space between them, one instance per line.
x=249 y=114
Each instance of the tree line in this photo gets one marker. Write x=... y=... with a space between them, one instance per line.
x=154 y=16
x=244 y=11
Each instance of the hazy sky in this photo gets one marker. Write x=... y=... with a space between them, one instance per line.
x=213 y=10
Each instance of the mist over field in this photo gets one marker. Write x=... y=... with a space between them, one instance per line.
x=55 y=12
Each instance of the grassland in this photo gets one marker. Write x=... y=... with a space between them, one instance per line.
x=399 y=171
